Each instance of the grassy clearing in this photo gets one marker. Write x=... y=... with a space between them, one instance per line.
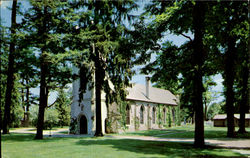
x=24 y=145
x=187 y=132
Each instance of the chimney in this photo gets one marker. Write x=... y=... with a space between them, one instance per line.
x=147 y=86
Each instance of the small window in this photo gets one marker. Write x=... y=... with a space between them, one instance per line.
x=153 y=115
x=142 y=115
x=164 y=115
x=127 y=115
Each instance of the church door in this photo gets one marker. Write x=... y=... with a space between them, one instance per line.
x=83 y=125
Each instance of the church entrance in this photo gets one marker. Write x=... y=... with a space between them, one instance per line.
x=83 y=125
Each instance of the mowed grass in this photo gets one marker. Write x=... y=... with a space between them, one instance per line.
x=187 y=132
x=24 y=146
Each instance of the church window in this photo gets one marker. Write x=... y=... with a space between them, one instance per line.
x=127 y=115
x=142 y=115
x=153 y=115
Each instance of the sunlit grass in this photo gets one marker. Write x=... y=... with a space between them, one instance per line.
x=187 y=132
x=24 y=145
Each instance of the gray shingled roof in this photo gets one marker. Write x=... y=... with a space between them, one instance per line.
x=224 y=116
x=156 y=95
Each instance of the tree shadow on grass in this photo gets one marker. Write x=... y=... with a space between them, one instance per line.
x=209 y=134
x=168 y=149
x=16 y=137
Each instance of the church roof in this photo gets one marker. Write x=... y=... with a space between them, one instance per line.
x=156 y=95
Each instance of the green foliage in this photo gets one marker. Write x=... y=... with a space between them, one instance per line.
x=213 y=110
x=73 y=127
x=122 y=110
x=103 y=44
x=178 y=115
x=62 y=106
x=159 y=115
x=50 y=117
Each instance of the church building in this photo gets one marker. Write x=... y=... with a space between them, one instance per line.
x=145 y=103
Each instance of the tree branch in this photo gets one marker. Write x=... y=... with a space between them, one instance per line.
x=186 y=36
x=51 y=104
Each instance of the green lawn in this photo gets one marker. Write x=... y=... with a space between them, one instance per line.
x=24 y=146
x=187 y=132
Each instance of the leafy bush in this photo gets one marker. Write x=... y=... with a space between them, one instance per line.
x=50 y=117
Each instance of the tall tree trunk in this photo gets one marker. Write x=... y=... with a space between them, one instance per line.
x=229 y=81
x=43 y=101
x=1 y=93
x=27 y=105
x=244 y=106
x=98 y=88
x=198 y=24
x=23 y=103
x=244 y=101
x=10 y=73
x=205 y=110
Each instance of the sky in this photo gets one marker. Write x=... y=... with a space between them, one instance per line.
x=138 y=78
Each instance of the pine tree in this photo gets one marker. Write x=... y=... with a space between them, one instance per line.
x=10 y=74
x=104 y=43
x=43 y=24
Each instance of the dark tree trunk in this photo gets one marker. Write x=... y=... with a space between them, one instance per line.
x=244 y=101
x=244 y=106
x=229 y=81
x=198 y=59
x=42 y=99
x=27 y=105
x=10 y=73
x=205 y=110
x=1 y=94
x=26 y=110
x=23 y=103
x=98 y=88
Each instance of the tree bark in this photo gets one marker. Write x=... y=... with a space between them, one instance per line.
x=26 y=112
x=43 y=101
x=229 y=81
x=98 y=88
x=244 y=101
x=244 y=106
x=205 y=110
x=10 y=73
x=1 y=94
x=198 y=59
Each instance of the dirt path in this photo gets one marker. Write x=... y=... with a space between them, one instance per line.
x=45 y=132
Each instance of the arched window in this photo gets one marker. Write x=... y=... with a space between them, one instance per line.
x=127 y=115
x=164 y=115
x=153 y=115
x=142 y=115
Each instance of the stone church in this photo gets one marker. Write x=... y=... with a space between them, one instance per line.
x=141 y=111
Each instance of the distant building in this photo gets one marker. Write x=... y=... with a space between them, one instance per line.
x=141 y=111
x=220 y=120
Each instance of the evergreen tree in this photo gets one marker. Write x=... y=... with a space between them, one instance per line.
x=104 y=45
x=62 y=105
x=28 y=70
x=10 y=74
x=43 y=24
